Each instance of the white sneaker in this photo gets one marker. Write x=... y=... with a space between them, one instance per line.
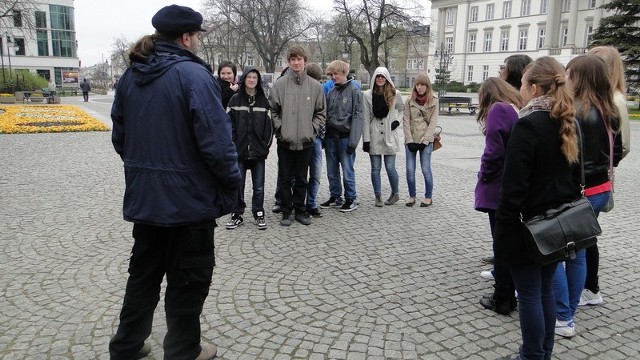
x=589 y=298
x=487 y=274
x=566 y=329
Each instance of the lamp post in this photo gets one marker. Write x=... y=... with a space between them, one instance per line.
x=444 y=59
x=10 y=41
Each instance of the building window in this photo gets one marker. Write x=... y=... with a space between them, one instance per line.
x=62 y=34
x=522 y=39
x=592 y=4
x=487 y=41
x=489 y=14
x=41 y=20
x=448 y=44
x=280 y=62
x=17 y=18
x=542 y=33
x=450 y=16
x=588 y=35
x=45 y=74
x=564 y=36
x=506 y=9
x=18 y=44
x=42 y=42
x=525 y=10
x=504 y=40
x=470 y=73
x=485 y=72
x=250 y=61
x=472 y=43
x=544 y=6
x=408 y=64
x=473 y=15
x=566 y=5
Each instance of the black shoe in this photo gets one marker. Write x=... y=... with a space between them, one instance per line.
x=314 y=213
x=488 y=260
x=303 y=219
x=501 y=307
x=276 y=209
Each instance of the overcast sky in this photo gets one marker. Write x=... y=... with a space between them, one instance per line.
x=98 y=23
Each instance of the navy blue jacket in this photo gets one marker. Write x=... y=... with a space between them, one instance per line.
x=174 y=137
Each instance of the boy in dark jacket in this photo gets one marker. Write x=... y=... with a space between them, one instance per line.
x=252 y=134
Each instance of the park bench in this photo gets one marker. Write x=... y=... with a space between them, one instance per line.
x=448 y=103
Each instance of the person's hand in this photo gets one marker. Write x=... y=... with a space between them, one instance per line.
x=413 y=147
x=395 y=124
x=350 y=150
x=366 y=147
x=234 y=87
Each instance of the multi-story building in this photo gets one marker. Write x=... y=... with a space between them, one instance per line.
x=477 y=35
x=41 y=38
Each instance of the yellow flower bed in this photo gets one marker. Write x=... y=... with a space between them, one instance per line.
x=23 y=119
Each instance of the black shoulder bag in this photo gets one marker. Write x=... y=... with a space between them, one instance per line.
x=558 y=233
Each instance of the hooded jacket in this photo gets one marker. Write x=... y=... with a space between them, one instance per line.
x=251 y=125
x=298 y=110
x=383 y=140
x=344 y=113
x=174 y=137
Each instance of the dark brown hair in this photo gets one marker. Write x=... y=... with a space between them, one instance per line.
x=495 y=90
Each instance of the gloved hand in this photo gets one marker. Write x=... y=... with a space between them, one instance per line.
x=413 y=147
x=421 y=146
x=395 y=124
x=365 y=147
x=350 y=150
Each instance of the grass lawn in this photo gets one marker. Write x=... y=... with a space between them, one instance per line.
x=25 y=119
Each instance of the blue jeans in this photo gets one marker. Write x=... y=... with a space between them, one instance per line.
x=537 y=309
x=593 y=255
x=425 y=165
x=257 y=178
x=569 y=279
x=337 y=157
x=392 y=173
x=315 y=172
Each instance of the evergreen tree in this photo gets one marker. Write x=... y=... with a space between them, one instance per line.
x=622 y=30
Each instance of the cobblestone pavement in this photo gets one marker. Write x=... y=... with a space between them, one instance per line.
x=377 y=283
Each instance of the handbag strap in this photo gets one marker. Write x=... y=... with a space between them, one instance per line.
x=580 y=147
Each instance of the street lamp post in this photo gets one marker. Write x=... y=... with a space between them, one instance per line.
x=9 y=41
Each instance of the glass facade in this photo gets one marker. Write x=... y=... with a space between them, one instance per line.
x=62 y=31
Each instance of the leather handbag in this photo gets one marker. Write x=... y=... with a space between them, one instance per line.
x=560 y=232
x=437 y=144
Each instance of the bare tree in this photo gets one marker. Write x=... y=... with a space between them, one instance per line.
x=14 y=12
x=268 y=25
x=373 y=24
x=120 y=54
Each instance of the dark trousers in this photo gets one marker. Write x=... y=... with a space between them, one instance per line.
x=503 y=283
x=293 y=170
x=257 y=168
x=186 y=255
x=85 y=95
x=537 y=308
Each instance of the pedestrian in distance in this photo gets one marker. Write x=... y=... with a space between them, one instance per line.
x=252 y=134
x=85 y=87
x=383 y=111
x=587 y=78
x=181 y=173
x=419 y=124
x=344 y=128
x=227 y=74
x=498 y=106
x=297 y=105
x=541 y=172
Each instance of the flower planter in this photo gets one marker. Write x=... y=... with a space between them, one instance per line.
x=7 y=99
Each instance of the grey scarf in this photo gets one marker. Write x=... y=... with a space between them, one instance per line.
x=541 y=103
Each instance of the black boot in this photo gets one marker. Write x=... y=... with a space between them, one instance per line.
x=503 y=305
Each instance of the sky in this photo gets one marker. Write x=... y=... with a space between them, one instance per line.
x=98 y=23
